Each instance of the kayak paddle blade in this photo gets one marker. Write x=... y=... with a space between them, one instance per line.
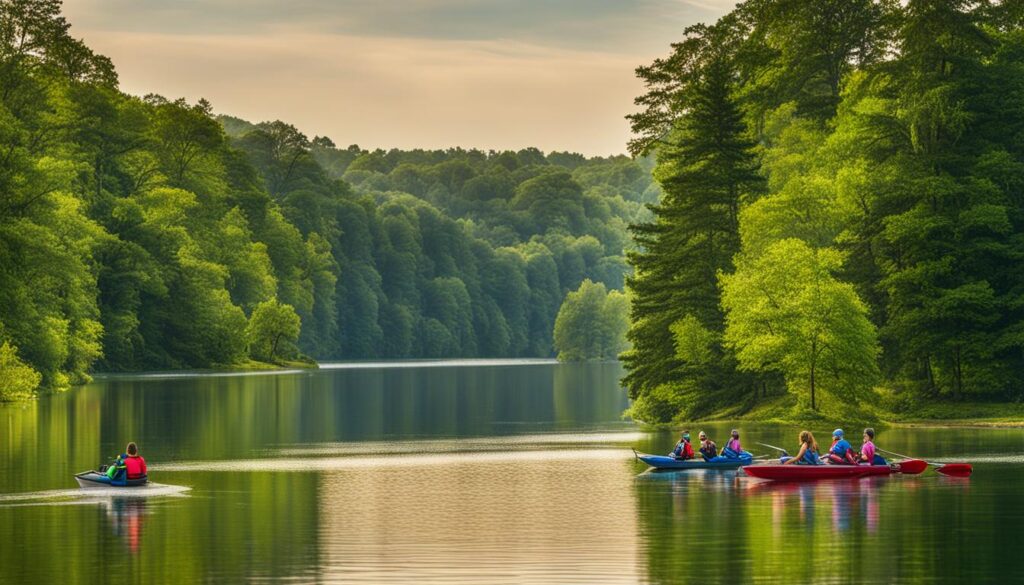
x=911 y=466
x=956 y=469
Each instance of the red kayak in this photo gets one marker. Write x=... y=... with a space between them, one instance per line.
x=812 y=472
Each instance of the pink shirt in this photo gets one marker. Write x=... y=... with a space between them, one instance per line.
x=868 y=451
x=734 y=444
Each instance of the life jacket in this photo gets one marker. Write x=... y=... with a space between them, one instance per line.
x=683 y=450
x=135 y=466
x=708 y=449
x=810 y=458
x=849 y=459
x=842 y=453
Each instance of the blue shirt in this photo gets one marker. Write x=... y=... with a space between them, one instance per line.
x=841 y=447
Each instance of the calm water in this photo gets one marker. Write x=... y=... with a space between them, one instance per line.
x=475 y=473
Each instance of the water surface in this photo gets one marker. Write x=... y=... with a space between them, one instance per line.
x=475 y=472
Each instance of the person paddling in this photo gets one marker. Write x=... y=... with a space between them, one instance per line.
x=808 y=454
x=841 y=451
x=733 y=449
x=867 y=450
x=683 y=450
x=708 y=448
x=129 y=464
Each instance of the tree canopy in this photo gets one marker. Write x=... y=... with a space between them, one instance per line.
x=148 y=232
x=273 y=330
x=885 y=234
x=592 y=323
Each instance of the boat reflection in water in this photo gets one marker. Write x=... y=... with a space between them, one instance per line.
x=127 y=516
x=845 y=498
x=790 y=531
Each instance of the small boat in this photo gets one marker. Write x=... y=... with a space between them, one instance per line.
x=96 y=479
x=779 y=472
x=669 y=462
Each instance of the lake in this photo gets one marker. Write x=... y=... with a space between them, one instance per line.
x=466 y=472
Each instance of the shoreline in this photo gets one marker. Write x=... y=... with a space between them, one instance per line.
x=783 y=410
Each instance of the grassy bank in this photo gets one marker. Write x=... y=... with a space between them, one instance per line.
x=254 y=366
x=785 y=410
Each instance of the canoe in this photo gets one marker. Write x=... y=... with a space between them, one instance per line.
x=778 y=472
x=667 y=462
x=95 y=479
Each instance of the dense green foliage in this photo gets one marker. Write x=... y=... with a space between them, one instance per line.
x=592 y=323
x=17 y=379
x=273 y=330
x=141 y=233
x=882 y=241
x=708 y=172
x=416 y=282
x=787 y=312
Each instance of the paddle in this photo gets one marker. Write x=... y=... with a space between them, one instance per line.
x=784 y=452
x=909 y=466
x=951 y=469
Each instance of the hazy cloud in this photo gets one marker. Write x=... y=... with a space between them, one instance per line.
x=557 y=74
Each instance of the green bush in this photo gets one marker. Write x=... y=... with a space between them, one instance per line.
x=18 y=380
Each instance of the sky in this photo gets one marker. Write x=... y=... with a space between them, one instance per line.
x=489 y=74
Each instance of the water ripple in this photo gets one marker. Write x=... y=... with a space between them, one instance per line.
x=461 y=445
x=403 y=461
x=86 y=495
x=436 y=364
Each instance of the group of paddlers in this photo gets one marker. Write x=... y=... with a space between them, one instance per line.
x=708 y=449
x=841 y=452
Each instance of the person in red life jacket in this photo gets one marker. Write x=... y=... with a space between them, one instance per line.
x=841 y=452
x=129 y=464
x=683 y=450
x=134 y=462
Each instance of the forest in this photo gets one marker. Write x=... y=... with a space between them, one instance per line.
x=843 y=210
x=141 y=233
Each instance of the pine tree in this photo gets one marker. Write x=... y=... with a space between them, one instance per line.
x=707 y=170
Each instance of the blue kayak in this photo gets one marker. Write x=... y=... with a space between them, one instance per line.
x=669 y=462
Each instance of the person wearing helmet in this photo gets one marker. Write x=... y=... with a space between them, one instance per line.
x=708 y=448
x=841 y=451
x=683 y=449
x=733 y=449
x=867 y=450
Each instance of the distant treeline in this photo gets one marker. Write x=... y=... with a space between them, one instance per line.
x=140 y=233
x=843 y=210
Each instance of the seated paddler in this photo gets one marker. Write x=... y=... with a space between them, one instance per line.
x=683 y=449
x=128 y=465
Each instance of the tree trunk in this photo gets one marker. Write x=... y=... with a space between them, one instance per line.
x=958 y=374
x=932 y=389
x=814 y=406
x=814 y=363
x=273 y=346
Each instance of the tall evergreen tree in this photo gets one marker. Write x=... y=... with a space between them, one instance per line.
x=707 y=170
